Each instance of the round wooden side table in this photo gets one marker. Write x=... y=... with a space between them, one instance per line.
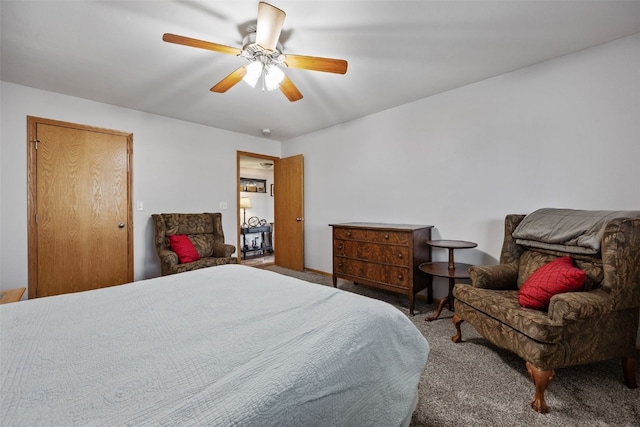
x=451 y=270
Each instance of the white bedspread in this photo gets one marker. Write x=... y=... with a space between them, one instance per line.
x=224 y=346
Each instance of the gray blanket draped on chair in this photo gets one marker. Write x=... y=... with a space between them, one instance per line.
x=567 y=230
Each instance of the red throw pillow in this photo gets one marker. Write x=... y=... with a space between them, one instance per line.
x=555 y=277
x=181 y=245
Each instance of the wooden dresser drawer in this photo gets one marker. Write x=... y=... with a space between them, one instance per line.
x=346 y=248
x=350 y=233
x=378 y=236
x=394 y=237
x=385 y=256
x=371 y=272
x=398 y=276
x=348 y=266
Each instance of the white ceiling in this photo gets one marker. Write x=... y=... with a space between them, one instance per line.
x=398 y=52
x=255 y=163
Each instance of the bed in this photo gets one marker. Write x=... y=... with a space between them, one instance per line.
x=224 y=346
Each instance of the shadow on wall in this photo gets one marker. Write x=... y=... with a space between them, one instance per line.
x=151 y=262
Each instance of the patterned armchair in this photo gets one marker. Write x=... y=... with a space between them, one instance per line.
x=205 y=232
x=598 y=322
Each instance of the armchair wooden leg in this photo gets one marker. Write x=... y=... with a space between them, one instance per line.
x=629 y=371
x=456 y=322
x=541 y=380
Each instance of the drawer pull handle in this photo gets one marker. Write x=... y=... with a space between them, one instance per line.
x=400 y=276
x=386 y=236
x=340 y=246
x=349 y=233
x=340 y=265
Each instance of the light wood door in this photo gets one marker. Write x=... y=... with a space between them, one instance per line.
x=289 y=212
x=80 y=233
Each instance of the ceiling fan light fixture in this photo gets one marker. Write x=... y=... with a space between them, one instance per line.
x=273 y=76
x=254 y=71
x=270 y=75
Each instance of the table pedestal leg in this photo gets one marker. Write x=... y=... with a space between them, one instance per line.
x=448 y=300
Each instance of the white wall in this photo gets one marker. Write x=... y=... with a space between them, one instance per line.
x=564 y=133
x=177 y=167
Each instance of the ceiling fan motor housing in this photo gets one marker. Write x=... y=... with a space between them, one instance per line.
x=254 y=52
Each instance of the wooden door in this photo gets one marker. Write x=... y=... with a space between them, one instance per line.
x=289 y=212
x=80 y=216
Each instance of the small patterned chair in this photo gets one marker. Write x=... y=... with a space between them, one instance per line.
x=203 y=230
x=598 y=322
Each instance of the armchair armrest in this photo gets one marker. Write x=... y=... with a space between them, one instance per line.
x=223 y=250
x=168 y=257
x=580 y=305
x=499 y=277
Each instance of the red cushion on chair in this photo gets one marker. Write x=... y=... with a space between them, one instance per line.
x=181 y=245
x=555 y=277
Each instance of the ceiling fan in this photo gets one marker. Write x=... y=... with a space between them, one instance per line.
x=264 y=53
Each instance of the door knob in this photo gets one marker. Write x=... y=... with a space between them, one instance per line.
x=299 y=219
x=121 y=225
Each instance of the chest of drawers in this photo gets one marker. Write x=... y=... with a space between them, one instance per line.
x=384 y=256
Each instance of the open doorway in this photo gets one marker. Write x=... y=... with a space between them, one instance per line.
x=256 y=219
x=287 y=199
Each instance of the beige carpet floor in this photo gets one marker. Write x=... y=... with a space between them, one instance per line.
x=474 y=383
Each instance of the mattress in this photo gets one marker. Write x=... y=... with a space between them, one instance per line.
x=223 y=346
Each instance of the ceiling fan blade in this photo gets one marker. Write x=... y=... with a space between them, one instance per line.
x=187 y=41
x=290 y=90
x=230 y=81
x=328 y=65
x=269 y=25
